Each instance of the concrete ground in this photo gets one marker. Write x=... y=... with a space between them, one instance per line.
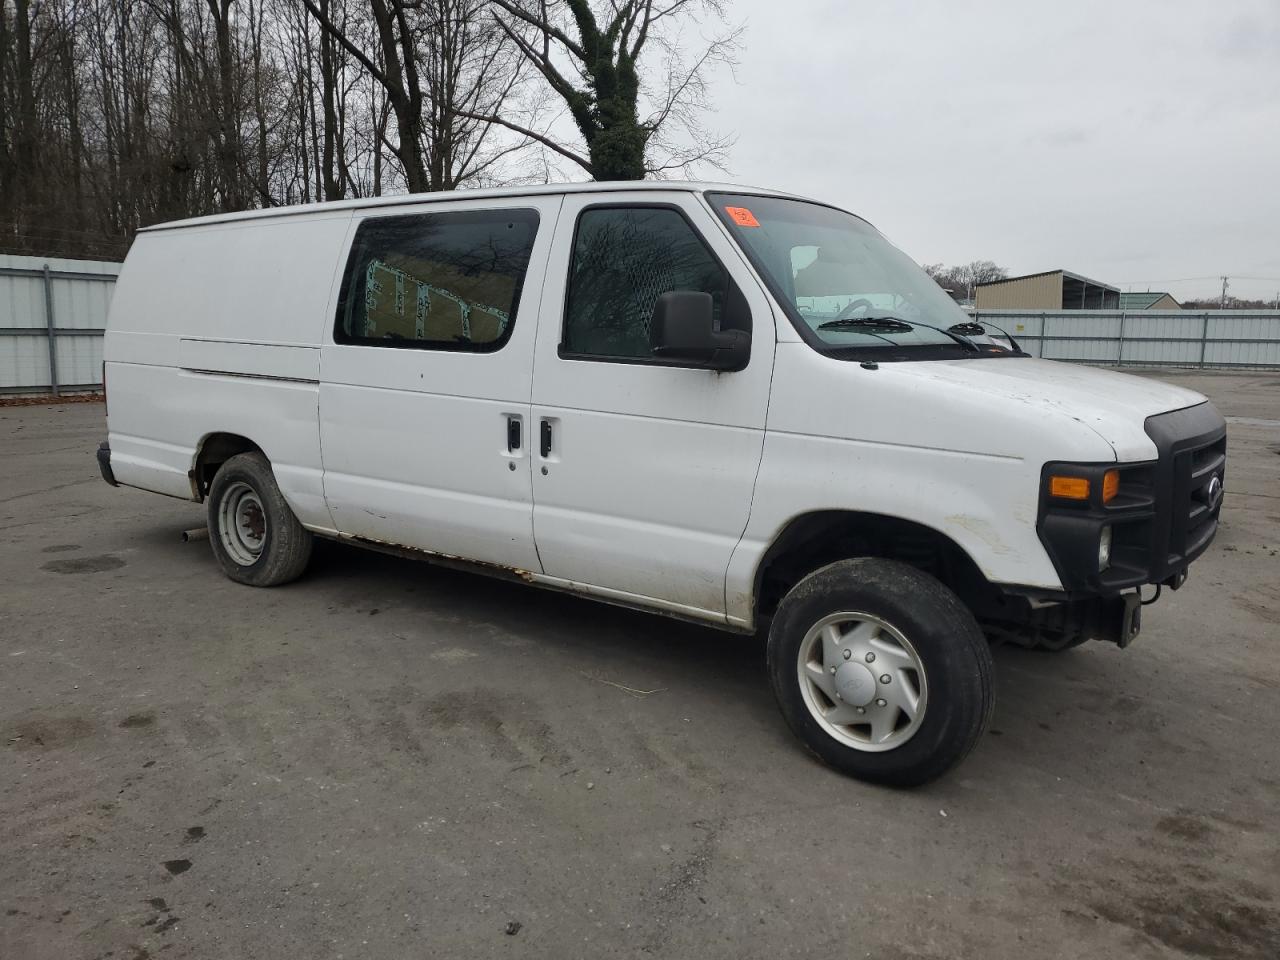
x=388 y=760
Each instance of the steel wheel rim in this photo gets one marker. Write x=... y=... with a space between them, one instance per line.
x=242 y=524
x=848 y=696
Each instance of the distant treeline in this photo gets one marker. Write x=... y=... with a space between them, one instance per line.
x=1233 y=303
x=960 y=281
x=119 y=113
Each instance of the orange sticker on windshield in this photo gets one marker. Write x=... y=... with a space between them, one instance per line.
x=742 y=216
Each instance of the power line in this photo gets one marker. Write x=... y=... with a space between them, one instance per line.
x=1237 y=276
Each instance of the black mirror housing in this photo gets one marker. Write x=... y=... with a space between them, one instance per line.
x=683 y=328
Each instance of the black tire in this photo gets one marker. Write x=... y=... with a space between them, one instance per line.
x=951 y=648
x=285 y=545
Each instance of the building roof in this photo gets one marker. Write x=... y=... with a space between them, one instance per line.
x=405 y=199
x=1046 y=273
x=1143 y=301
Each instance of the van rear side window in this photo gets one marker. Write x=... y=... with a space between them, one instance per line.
x=439 y=281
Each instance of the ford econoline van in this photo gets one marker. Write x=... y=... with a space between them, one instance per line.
x=716 y=403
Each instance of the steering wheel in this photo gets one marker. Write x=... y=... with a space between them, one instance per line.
x=862 y=303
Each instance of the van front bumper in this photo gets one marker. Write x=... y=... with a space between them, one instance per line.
x=1163 y=518
x=104 y=463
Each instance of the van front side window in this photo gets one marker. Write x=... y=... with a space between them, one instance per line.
x=445 y=281
x=624 y=258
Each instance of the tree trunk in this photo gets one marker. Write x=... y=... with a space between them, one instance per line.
x=616 y=146
x=6 y=160
x=75 y=145
x=25 y=133
x=259 y=104
x=228 y=119
x=328 y=80
x=406 y=102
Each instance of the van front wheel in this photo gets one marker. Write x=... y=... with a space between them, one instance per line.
x=255 y=536
x=881 y=671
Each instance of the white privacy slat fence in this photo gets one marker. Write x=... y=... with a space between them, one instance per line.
x=52 y=316
x=53 y=313
x=1147 y=338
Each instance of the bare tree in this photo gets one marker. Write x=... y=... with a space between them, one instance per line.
x=589 y=54
x=961 y=280
x=442 y=66
x=115 y=114
x=396 y=71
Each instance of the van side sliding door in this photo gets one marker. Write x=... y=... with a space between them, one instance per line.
x=425 y=378
x=644 y=467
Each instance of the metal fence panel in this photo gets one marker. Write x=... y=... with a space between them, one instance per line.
x=24 y=363
x=1172 y=338
x=64 y=304
x=81 y=304
x=80 y=361
x=77 y=293
x=1227 y=353
x=22 y=300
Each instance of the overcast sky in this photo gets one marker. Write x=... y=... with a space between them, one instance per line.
x=1134 y=141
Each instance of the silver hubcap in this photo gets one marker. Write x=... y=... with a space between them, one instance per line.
x=242 y=524
x=862 y=681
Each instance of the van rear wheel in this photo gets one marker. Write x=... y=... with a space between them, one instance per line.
x=881 y=671
x=255 y=536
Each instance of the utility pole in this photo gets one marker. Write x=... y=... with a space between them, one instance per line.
x=1224 y=293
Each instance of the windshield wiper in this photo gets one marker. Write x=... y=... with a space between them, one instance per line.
x=891 y=324
x=963 y=341
x=886 y=324
x=973 y=329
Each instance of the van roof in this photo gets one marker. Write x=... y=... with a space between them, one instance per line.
x=637 y=186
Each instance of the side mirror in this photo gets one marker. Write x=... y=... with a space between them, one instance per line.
x=683 y=328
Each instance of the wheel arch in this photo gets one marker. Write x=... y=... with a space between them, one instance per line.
x=212 y=452
x=812 y=540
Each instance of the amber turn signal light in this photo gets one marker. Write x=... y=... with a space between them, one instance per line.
x=1110 y=485
x=1069 y=488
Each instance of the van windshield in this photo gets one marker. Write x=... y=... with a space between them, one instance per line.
x=848 y=291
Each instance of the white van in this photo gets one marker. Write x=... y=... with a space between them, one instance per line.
x=718 y=403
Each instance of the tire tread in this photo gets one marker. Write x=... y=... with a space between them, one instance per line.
x=895 y=591
x=287 y=550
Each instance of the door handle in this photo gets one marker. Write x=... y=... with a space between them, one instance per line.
x=513 y=434
x=546 y=438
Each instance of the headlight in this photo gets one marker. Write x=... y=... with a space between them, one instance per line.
x=1096 y=520
x=1072 y=487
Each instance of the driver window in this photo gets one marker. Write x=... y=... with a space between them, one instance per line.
x=624 y=258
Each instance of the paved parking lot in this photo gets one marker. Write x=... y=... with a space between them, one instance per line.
x=389 y=760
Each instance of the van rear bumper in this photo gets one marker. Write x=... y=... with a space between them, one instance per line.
x=104 y=463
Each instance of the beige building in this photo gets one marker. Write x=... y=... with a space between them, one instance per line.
x=1053 y=290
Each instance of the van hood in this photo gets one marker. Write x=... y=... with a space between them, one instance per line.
x=1113 y=405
